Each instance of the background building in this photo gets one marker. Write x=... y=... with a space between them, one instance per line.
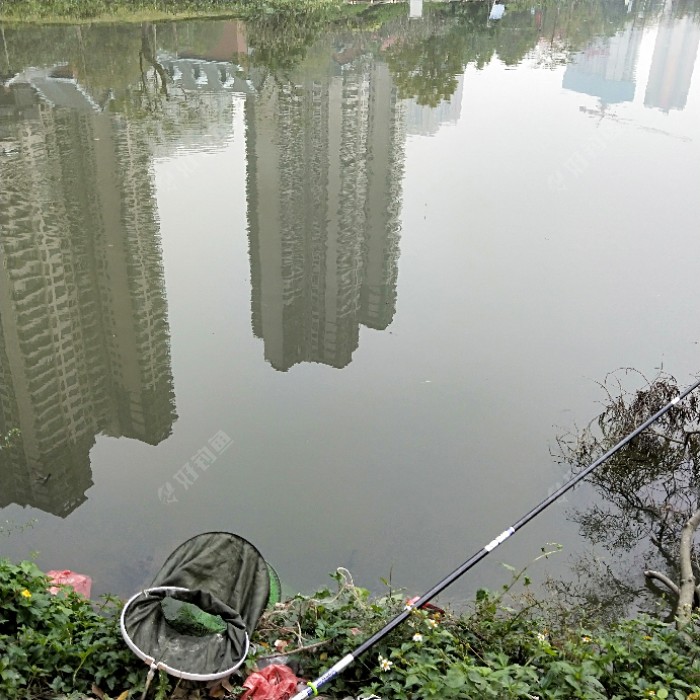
x=424 y=120
x=673 y=62
x=324 y=189
x=84 y=340
x=606 y=68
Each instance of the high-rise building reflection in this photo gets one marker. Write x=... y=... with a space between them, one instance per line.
x=673 y=62
x=424 y=120
x=325 y=157
x=84 y=338
x=606 y=67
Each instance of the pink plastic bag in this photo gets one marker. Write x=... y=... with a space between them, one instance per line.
x=274 y=682
x=80 y=583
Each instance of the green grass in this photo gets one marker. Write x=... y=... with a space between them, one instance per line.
x=60 y=645
x=111 y=10
x=72 y=11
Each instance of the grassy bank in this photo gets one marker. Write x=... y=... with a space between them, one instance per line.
x=63 y=647
x=71 y=11
x=117 y=15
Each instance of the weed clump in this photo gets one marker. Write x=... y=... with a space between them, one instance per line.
x=60 y=646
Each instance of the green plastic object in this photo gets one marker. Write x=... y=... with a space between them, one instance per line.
x=187 y=618
x=275 y=587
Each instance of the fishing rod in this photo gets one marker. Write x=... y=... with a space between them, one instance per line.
x=337 y=668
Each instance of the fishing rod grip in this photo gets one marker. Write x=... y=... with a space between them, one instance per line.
x=329 y=675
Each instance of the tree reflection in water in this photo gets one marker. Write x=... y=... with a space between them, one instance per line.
x=647 y=492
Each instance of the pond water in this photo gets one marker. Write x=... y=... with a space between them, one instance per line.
x=335 y=288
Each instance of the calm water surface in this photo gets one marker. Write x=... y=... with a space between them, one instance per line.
x=336 y=290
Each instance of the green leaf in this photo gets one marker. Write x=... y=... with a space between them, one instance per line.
x=412 y=680
x=455 y=679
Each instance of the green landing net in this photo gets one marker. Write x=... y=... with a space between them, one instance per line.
x=275 y=588
x=195 y=620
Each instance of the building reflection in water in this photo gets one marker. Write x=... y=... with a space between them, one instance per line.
x=84 y=339
x=325 y=159
x=424 y=120
x=607 y=67
x=673 y=62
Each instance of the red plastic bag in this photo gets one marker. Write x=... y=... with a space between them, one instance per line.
x=274 y=682
x=426 y=606
x=80 y=583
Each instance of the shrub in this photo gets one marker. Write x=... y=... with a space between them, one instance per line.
x=52 y=644
x=491 y=651
x=59 y=645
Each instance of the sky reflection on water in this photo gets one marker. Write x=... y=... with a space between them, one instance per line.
x=389 y=302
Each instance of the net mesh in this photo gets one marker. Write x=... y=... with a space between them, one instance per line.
x=204 y=604
x=187 y=618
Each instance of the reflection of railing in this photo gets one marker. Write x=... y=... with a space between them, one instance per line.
x=55 y=89
x=192 y=74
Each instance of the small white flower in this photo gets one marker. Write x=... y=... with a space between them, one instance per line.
x=431 y=623
x=417 y=637
x=385 y=664
x=541 y=637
